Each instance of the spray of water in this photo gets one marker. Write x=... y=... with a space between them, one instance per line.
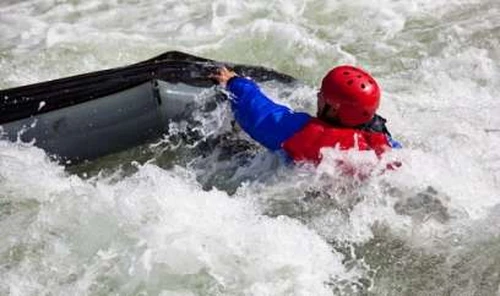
x=218 y=215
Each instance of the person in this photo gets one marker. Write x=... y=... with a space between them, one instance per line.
x=346 y=115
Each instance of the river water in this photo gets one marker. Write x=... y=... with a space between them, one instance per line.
x=174 y=217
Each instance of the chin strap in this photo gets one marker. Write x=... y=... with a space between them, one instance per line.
x=325 y=110
x=328 y=119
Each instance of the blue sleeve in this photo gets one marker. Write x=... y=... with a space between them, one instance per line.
x=268 y=123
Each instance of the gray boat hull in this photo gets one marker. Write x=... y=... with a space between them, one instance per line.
x=109 y=124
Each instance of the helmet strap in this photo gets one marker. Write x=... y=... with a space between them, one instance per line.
x=324 y=112
x=328 y=119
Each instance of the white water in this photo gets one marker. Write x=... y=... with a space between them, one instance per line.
x=155 y=228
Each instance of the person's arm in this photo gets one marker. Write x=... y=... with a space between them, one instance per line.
x=268 y=123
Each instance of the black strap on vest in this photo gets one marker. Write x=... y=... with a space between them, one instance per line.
x=377 y=124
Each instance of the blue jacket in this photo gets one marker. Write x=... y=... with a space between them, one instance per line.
x=266 y=122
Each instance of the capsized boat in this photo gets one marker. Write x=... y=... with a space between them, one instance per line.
x=87 y=116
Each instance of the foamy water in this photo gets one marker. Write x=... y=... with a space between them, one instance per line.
x=163 y=220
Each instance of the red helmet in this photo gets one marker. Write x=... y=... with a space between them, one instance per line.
x=353 y=93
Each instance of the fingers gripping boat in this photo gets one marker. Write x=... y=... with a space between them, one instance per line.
x=90 y=115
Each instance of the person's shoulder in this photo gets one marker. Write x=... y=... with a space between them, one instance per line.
x=240 y=80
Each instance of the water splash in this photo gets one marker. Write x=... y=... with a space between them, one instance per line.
x=135 y=223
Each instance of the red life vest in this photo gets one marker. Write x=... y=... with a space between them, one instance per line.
x=306 y=144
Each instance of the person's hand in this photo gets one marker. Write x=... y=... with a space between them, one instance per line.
x=223 y=75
